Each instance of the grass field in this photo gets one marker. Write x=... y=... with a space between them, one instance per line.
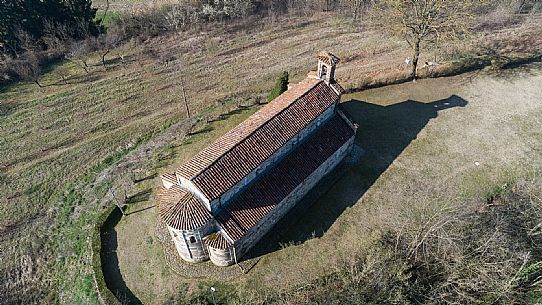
x=59 y=144
x=123 y=6
x=78 y=124
x=118 y=5
x=422 y=144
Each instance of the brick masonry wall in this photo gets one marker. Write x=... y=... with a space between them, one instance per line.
x=195 y=251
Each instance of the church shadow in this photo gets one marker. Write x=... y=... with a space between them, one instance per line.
x=383 y=133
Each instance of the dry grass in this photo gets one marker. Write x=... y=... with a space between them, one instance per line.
x=420 y=162
x=123 y=5
x=53 y=136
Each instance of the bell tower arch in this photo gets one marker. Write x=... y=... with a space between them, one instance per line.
x=326 y=66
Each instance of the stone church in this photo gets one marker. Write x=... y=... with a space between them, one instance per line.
x=227 y=197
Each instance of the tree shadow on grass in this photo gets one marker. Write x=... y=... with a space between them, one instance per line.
x=207 y=128
x=383 y=133
x=141 y=210
x=148 y=177
x=515 y=70
x=110 y=261
x=75 y=79
x=225 y=116
x=139 y=196
x=7 y=109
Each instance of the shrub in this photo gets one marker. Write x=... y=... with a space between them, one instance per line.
x=280 y=86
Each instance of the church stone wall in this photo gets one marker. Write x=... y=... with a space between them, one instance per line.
x=221 y=257
x=255 y=234
x=189 y=243
x=288 y=147
x=187 y=184
x=167 y=184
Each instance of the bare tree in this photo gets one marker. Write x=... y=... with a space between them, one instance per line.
x=63 y=73
x=27 y=43
x=104 y=13
x=185 y=100
x=55 y=36
x=28 y=68
x=237 y=8
x=77 y=53
x=109 y=41
x=124 y=49
x=356 y=8
x=176 y=17
x=425 y=21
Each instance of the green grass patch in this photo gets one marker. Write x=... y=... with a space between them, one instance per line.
x=107 y=18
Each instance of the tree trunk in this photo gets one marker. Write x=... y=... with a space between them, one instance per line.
x=355 y=10
x=191 y=125
x=85 y=67
x=103 y=58
x=415 y=59
x=185 y=101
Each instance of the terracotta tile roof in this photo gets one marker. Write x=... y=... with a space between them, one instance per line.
x=180 y=210
x=169 y=178
x=207 y=156
x=227 y=161
x=262 y=197
x=217 y=241
x=338 y=88
x=328 y=58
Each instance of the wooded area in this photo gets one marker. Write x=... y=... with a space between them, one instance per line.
x=28 y=25
x=35 y=32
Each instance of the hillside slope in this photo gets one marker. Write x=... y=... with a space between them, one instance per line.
x=79 y=124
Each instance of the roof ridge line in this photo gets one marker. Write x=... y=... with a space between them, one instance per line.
x=251 y=133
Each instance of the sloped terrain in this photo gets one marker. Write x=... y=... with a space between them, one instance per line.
x=56 y=138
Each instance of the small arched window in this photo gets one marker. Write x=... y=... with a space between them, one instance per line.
x=324 y=72
x=192 y=239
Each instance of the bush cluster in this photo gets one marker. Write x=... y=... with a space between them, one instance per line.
x=27 y=22
x=280 y=86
